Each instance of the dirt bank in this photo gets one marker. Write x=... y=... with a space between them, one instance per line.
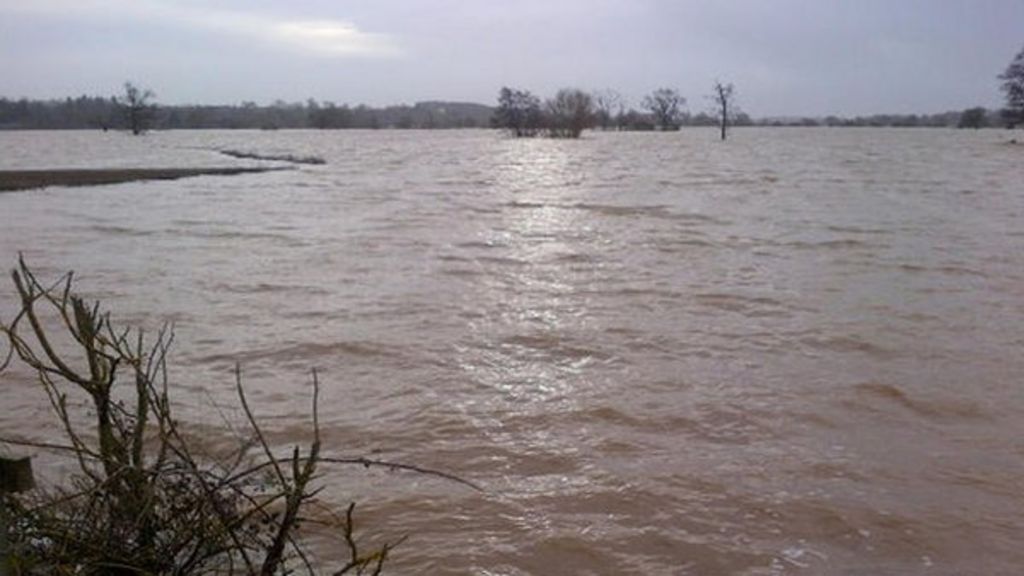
x=27 y=179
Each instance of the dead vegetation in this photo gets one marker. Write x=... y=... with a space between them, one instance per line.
x=143 y=499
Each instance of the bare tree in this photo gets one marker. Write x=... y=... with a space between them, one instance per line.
x=518 y=112
x=137 y=107
x=570 y=112
x=666 y=105
x=1013 y=86
x=608 y=106
x=724 y=97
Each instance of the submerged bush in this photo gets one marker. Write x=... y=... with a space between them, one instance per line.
x=143 y=500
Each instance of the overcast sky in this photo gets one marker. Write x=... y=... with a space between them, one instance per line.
x=786 y=57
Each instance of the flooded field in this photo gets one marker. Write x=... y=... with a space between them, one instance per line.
x=795 y=352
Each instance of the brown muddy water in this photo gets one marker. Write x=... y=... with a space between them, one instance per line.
x=796 y=352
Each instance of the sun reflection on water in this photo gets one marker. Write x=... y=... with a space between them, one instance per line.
x=539 y=308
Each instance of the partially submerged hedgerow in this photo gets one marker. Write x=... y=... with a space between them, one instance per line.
x=142 y=500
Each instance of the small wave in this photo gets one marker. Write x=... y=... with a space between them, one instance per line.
x=651 y=211
x=266 y=288
x=929 y=409
x=480 y=245
x=848 y=521
x=656 y=210
x=660 y=211
x=481 y=209
x=715 y=424
x=814 y=418
x=686 y=245
x=236 y=235
x=575 y=258
x=120 y=230
x=832 y=470
x=750 y=306
x=461 y=272
x=838 y=244
x=307 y=351
x=728 y=425
x=847 y=344
x=637 y=295
x=950 y=270
x=191 y=222
x=730 y=299
x=619 y=447
x=501 y=260
x=551 y=345
x=606 y=415
x=528 y=205
x=856 y=230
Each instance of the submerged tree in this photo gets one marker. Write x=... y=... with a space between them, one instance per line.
x=137 y=107
x=518 y=112
x=1013 y=87
x=724 y=97
x=570 y=112
x=973 y=118
x=666 y=105
x=609 y=106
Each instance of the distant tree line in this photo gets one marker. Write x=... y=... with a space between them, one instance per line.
x=1011 y=116
x=572 y=110
x=567 y=114
x=95 y=112
x=977 y=117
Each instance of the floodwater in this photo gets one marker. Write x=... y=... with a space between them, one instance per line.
x=796 y=352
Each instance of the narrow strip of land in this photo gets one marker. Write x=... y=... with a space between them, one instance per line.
x=27 y=179
x=275 y=157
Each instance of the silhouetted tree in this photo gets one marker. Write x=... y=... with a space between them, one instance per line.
x=665 y=104
x=570 y=112
x=518 y=112
x=973 y=118
x=1013 y=87
x=609 y=105
x=137 y=107
x=724 y=97
x=636 y=121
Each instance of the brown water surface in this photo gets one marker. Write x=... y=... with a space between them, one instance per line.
x=796 y=352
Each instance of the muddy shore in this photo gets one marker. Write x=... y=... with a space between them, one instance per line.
x=11 y=180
